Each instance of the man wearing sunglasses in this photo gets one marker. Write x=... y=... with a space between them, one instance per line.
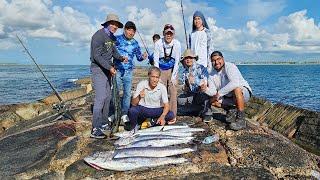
x=166 y=57
x=229 y=90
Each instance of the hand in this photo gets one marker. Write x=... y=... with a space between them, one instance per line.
x=145 y=55
x=142 y=94
x=203 y=86
x=125 y=59
x=161 y=120
x=113 y=71
x=191 y=79
x=216 y=97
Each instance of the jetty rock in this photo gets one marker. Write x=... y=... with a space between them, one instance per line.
x=280 y=142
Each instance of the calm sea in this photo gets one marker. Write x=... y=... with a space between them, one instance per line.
x=297 y=85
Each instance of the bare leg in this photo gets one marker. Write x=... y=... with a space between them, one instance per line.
x=239 y=99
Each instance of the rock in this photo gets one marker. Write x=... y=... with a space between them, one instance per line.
x=227 y=172
x=30 y=150
x=67 y=149
x=80 y=170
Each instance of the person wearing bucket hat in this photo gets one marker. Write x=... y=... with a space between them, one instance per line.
x=129 y=47
x=195 y=76
x=103 y=49
x=167 y=54
x=200 y=39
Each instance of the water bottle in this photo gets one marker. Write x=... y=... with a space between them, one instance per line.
x=315 y=174
x=211 y=139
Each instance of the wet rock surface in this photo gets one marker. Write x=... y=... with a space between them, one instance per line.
x=52 y=147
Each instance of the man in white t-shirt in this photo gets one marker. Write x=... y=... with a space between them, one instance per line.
x=150 y=100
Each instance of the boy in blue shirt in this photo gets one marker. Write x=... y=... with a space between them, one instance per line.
x=128 y=47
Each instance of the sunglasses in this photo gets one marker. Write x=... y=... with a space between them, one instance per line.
x=168 y=26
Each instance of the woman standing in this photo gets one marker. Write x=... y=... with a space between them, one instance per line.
x=200 y=40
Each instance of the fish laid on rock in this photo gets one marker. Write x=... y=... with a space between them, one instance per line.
x=128 y=140
x=158 y=142
x=172 y=132
x=148 y=130
x=105 y=160
x=151 y=151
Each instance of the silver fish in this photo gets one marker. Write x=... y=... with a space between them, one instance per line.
x=105 y=160
x=128 y=140
x=148 y=130
x=151 y=151
x=158 y=142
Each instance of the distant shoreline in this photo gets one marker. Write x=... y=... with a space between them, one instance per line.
x=237 y=63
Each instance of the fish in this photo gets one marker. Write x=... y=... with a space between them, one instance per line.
x=128 y=140
x=152 y=151
x=147 y=130
x=105 y=160
x=169 y=133
x=185 y=130
x=158 y=142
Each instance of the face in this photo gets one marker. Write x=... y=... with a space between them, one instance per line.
x=168 y=37
x=113 y=27
x=129 y=33
x=188 y=61
x=197 y=21
x=154 y=77
x=217 y=62
x=155 y=40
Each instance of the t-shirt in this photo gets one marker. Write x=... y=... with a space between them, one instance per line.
x=154 y=98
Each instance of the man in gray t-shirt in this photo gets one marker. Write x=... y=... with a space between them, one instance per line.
x=150 y=100
x=228 y=89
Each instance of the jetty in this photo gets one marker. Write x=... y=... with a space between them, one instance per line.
x=38 y=142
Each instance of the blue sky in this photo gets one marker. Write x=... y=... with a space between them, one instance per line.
x=59 y=32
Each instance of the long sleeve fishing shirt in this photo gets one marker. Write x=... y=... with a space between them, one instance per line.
x=103 y=49
x=198 y=72
x=161 y=48
x=226 y=80
x=129 y=48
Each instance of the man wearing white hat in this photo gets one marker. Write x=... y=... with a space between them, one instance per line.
x=167 y=54
x=194 y=77
x=102 y=51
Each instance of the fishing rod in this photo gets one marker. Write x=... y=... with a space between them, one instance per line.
x=184 y=25
x=144 y=44
x=45 y=77
x=61 y=107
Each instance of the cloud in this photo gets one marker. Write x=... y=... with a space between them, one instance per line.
x=295 y=33
x=302 y=30
x=262 y=9
x=37 y=18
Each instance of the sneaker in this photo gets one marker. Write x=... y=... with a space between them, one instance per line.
x=106 y=128
x=125 y=118
x=111 y=118
x=231 y=115
x=240 y=122
x=207 y=118
x=97 y=133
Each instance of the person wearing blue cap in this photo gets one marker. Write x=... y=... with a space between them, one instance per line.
x=200 y=40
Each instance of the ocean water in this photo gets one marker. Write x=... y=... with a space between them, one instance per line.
x=24 y=83
x=297 y=85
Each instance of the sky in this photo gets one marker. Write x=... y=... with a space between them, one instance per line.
x=59 y=32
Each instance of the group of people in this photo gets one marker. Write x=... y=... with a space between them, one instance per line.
x=206 y=77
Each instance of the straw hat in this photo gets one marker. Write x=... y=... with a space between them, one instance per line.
x=114 y=18
x=188 y=53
